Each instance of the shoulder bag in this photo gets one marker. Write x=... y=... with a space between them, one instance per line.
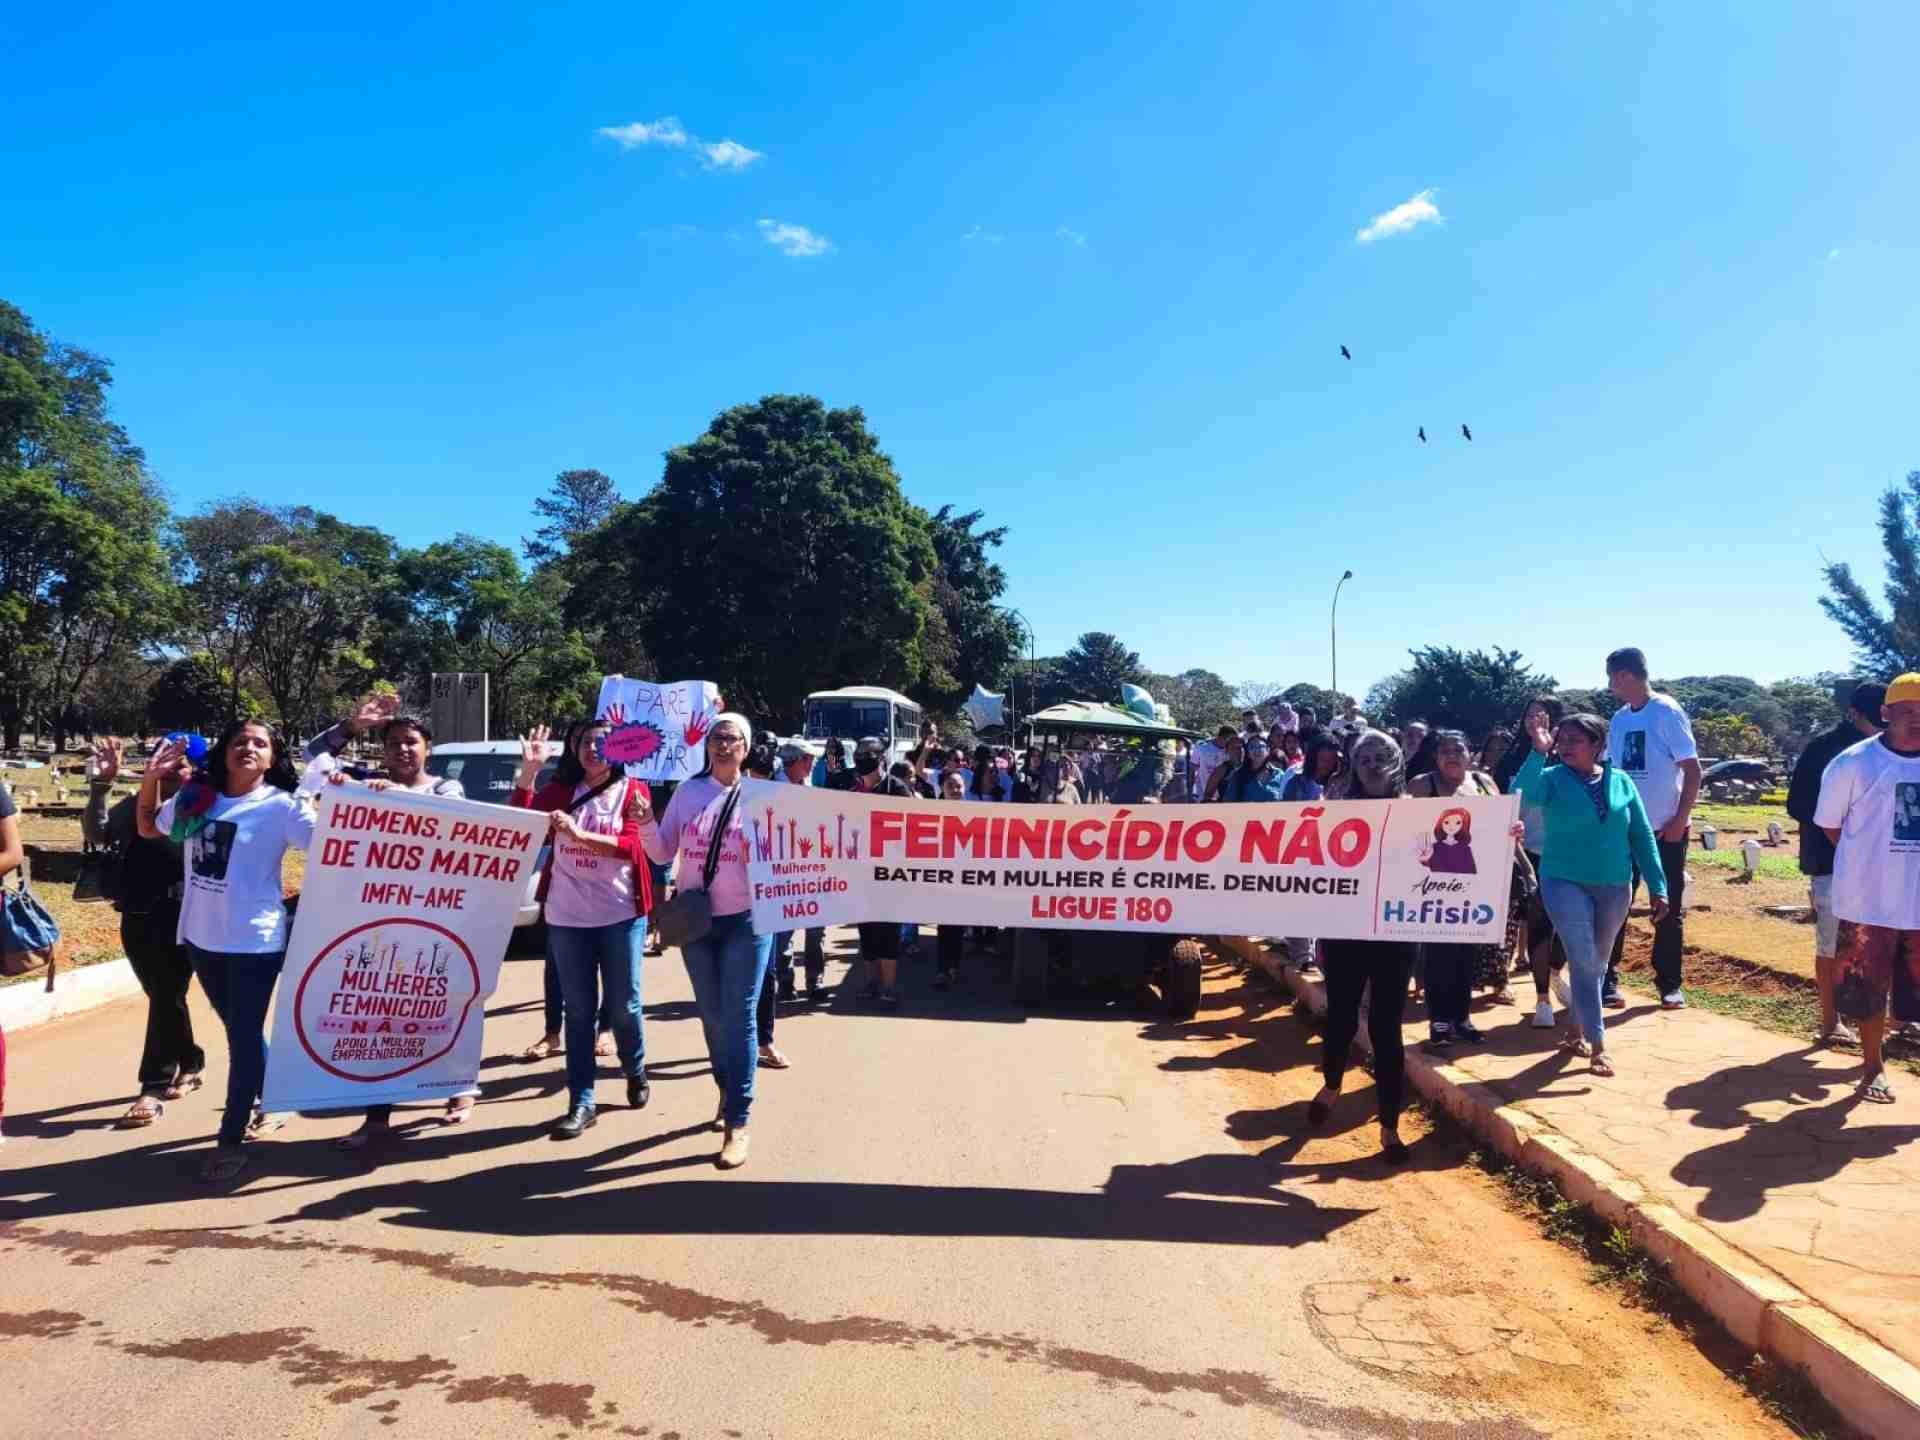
x=28 y=934
x=688 y=916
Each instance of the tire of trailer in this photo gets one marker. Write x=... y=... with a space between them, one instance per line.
x=1180 y=991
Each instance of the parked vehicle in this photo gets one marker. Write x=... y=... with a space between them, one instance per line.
x=485 y=770
x=855 y=712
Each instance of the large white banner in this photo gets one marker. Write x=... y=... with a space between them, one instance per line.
x=659 y=731
x=1355 y=869
x=405 y=914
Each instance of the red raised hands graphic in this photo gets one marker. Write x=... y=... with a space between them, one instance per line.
x=697 y=728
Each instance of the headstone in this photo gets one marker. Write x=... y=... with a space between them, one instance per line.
x=458 y=706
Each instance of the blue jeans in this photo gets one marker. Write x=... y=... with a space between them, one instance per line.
x=727 y=967
x=240 y=988
x=1586 y=918
x=590 y=959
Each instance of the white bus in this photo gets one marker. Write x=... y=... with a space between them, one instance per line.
x=855 y=712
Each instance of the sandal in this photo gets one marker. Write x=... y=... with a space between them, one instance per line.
x=1601 y=1066
x=146 y=1110
x=459 y=1110
x=264 y=1124
x=182 y=1087
x=545 y=1048
x=1574 y=1043
x=363 y=1137
x=224 y=1166
x=1875 y=1090
x=774 y=1058
x=603 y=1043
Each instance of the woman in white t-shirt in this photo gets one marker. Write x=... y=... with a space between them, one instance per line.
x=236 y=823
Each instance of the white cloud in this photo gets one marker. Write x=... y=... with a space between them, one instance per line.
x=1419 y=210
x=1072 y=237
x=985 y=237
x=794 y=240
x=1833 y=254
x=727 y=155
x=667 y=131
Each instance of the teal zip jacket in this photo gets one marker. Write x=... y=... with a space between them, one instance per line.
x=1580 y=846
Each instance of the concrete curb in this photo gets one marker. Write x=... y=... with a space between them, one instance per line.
x=1872 y=1388
x=30 y=1003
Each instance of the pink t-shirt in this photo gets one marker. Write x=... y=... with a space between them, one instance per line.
x=590 y=887
x=687 y=828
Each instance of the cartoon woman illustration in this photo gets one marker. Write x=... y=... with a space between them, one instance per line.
x=1450 y=851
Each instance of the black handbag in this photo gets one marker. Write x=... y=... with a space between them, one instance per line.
x=688 y=916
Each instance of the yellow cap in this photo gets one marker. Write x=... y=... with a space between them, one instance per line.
x=1904 y=687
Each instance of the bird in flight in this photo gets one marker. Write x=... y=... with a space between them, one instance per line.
x=1466 y=432
x=1423 y=434
x=1345 y=354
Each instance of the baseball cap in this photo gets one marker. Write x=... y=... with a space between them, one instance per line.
x=1904 y=688
x=793 y=750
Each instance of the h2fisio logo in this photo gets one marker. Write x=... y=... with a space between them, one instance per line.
x=1435 y=912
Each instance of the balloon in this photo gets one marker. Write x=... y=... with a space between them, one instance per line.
x=1133 y=698
x=985 y=708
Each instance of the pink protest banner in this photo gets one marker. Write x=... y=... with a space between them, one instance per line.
x=1436 y=870
x=405 y=913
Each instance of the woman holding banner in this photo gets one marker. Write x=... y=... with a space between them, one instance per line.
x=405 y=742
x=236 y=823
x=598 y=891
x=728 y=963
x=1378 y=773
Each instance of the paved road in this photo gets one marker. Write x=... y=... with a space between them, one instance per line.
x=958 y=1220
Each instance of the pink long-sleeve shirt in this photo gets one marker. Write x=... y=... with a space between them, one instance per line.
x=687 y=829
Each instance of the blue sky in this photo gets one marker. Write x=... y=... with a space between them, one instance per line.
x=1086 y=268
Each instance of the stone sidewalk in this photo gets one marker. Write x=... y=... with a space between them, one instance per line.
x=1758 y=1138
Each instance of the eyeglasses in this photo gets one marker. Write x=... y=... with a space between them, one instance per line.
x=727 y=737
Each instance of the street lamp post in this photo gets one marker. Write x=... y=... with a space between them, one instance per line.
x=1013 y=724
x=1333 y=631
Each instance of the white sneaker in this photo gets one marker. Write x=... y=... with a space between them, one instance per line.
x=1543 y=1015
x=1562 y=991
x=733 y=1154
x=1673 y=1000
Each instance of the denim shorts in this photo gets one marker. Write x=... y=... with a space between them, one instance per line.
x=1826 y=924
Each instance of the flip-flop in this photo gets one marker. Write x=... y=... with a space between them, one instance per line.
x=145 y=1110
x=182 y=1087
x=1875 y=1090
x=540 y=1050
x=264 y=1124
x=457 y=1113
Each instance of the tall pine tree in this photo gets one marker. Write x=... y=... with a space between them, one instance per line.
x=1886 y=643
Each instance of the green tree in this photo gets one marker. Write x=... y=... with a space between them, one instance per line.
x=580 y=502
x=289 y=596
x=970 y=638
x=1039 y=683
x=1586 y=702
x=195 y=692
x=1098 y=665
x=1807 y=707
x=1727 y=695
x=471 y=607
x=1885 y=643
x=1199 y=699
x=1326 y=703
x=776 y=556
x=82 y=574
x=1725 y=736
x=1469 y=690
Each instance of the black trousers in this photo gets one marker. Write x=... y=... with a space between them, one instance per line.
x=1668 y=935
x=165 y=973
x=1450 y=982
x=951 y=941
x=1350 y=965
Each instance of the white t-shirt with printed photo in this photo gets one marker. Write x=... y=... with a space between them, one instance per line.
x=233 y=901
x=1648 y=744
x=1871 y=795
